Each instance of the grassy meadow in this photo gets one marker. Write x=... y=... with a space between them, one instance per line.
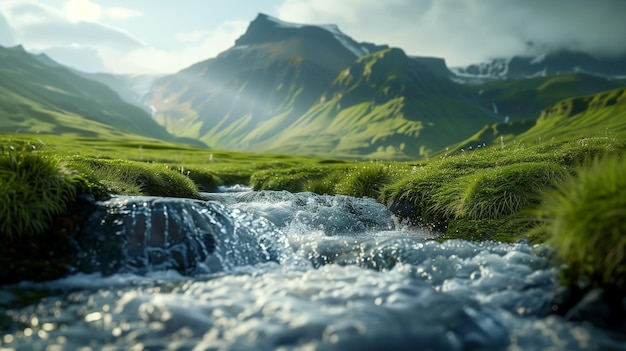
x=503 y=192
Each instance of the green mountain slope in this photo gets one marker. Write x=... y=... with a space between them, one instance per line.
x=602 y=114
x=385 y=105
x=524 y=99
x=253 y=91
x=40 y=98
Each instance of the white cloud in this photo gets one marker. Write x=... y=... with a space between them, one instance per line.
x=154 y=60
x=44 y=28
x=6 y=32
x=191 y=37
x=82 y=10
x=121 y=13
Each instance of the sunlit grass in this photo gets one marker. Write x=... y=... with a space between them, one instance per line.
x=365 y=180
x=33 y=190
x=585 y=220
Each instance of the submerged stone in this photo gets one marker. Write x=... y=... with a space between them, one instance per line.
x=141 y=234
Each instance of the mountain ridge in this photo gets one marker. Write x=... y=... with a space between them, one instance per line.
x=38 y=97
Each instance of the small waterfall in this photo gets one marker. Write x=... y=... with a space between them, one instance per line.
x=140 y=234
x=302 y=213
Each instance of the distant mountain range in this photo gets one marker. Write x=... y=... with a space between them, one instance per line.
x=555 y=63
x=311 y=90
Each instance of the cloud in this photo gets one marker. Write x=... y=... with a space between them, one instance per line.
x=191 y=37
x=121 y=13
x=6 y=33
x=92 y=46
x=82 y=10
x=154 y=60
x=38 y=27
x=43 y=28
x=81 y=58
x=469 y=31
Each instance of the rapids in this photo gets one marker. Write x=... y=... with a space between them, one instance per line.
x=274 y=270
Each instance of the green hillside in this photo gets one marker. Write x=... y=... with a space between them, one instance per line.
x=600 y=114
x=384 y=105
x=39 y=98
x=251 y=92
x=524 y=99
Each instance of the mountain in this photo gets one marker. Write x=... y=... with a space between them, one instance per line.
x=272 y=75
x=384 y=105
x=524 y=98
x=282 y=82
x=132 y=88
x=601 y=114
x=51 y=99
x=556 y=63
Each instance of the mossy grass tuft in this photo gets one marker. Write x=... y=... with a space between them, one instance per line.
x=136 y=178
x=322 y=186
x=497 y=192
x=585 y=220
x=366 y=180
x=33 y=189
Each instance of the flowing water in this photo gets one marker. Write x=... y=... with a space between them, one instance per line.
x=275 y=270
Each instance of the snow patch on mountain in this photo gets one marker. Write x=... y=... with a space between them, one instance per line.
x=283 y=24
x=345 y=40
x=538 y=59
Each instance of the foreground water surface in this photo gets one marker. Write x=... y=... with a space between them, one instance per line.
x=275 y=270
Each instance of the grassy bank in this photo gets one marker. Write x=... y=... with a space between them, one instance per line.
x=475 y=194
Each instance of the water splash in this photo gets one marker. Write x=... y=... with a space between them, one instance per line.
x=303 y=213
x=142 y=234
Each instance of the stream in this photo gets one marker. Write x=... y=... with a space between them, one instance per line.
x=275 y=270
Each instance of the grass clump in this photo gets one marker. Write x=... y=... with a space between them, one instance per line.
x=322 y=186
x=136 y=178
x=365 y=180
x=293 y=179
x=500 y=191
x=585 y=220
x=35 y=192
x=33 y=189
x=418 y=190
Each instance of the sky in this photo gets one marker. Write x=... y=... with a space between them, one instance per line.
x=165 y=36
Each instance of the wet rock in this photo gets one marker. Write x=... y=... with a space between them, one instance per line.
x=603 y=307
x=141 y=234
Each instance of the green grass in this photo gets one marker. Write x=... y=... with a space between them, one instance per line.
x=135 y=178
x=584 y=218
x=33 y=190
x=479 y=188
x=496 y=192
x=602 y=114
x=366 y=180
